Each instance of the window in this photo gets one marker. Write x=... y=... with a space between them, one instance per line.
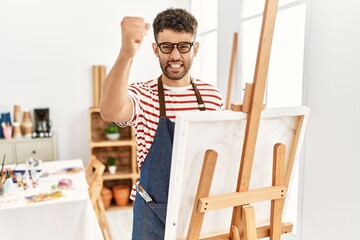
x=205 y=63
x=284 y=83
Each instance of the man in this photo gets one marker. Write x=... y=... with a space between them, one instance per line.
x=150 y=107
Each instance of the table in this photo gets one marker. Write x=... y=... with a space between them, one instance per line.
x=68 y=217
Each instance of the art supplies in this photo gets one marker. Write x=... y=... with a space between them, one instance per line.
x=140 y=189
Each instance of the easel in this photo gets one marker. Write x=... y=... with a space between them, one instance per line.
x=243 y=222
x=231 y=72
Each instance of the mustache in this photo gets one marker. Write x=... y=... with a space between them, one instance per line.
x=176 y=61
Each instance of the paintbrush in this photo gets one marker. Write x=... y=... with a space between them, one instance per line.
x=16 y=164
x=2 y=166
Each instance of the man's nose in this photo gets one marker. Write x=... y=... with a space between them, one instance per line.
x=175 y=53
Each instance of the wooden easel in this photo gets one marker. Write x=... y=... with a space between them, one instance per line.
x=231 y=72
x=243 y=224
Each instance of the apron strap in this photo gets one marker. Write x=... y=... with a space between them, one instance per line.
x=161 y=98
x=199 y=99
x=198 y=95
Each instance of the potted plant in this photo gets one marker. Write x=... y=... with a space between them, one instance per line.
x=121 y=194
x=112 y=132
x=111 y=162
x=107 y=196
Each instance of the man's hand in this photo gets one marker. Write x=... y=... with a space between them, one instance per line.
x=114 y=103
x=133 y=31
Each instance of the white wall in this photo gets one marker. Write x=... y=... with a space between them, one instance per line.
x=47 y=49
x=229 y=22
x=331 y=196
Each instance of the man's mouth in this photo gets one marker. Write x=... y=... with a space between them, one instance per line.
x=175 y=65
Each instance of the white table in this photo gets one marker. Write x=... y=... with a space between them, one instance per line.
x=65 y=218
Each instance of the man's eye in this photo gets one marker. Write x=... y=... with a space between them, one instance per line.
x=184 y=46
x=166 y=47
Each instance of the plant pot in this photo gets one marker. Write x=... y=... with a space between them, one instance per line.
x=113 y=136
x=112 y=169
x=121 y=194
x=107 y=196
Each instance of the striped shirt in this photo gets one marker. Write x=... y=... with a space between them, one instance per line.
x=145 y=118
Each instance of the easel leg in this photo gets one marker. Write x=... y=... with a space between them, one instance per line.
x=248 y=222
x=207 y=173
x=278 y=180
x=235 y=232
x=238 y=219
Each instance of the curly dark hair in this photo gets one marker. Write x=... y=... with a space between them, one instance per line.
x=175 y=19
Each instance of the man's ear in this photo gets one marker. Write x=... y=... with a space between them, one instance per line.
x=155 y=49
x=196 y=48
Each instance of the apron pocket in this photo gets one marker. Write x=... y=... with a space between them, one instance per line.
x=159 y=209
x=153 y=227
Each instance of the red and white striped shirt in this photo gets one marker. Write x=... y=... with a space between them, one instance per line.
x=144 y=96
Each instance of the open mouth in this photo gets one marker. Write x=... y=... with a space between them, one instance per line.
x=175 y=66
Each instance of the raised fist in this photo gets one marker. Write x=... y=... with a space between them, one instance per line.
x=133 y=30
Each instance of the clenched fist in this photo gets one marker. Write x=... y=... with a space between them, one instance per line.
x=133 y=31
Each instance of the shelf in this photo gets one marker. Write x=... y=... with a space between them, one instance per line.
x=114 y=207
x=118 y=143
x=123 y=150
x=119 y=176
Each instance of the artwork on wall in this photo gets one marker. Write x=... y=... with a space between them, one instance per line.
x=224 y=131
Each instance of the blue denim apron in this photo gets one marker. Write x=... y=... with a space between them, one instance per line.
x=149 y=218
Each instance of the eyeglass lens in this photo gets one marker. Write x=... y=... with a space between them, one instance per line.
x=182 y=47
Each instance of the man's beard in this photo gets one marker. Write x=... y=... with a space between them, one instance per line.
x=175 y=76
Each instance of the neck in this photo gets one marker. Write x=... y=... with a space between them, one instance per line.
x=185 y=81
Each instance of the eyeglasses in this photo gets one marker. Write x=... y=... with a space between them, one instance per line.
x=168 y=47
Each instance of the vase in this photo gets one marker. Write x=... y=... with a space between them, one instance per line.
x=112 y=169
x=107 y=196
x=113 y=136
x=121 y=194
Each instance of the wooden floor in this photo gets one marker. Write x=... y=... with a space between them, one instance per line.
x=120 y=222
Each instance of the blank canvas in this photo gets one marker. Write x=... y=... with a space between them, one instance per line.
x=223 y=131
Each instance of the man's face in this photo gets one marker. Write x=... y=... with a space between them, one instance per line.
x=175 y=65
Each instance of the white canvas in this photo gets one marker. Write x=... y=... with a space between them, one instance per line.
x=223 y=131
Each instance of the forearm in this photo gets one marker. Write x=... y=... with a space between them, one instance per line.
x=115 y=104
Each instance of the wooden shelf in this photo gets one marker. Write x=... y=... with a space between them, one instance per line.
x=114 y=207
x=124 y=150
x=118 y=143
x=119 y=176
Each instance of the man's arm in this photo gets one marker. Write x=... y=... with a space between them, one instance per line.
x=114 y=103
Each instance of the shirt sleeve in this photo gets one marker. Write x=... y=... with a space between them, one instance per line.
x=133 y=191
x=134 y=98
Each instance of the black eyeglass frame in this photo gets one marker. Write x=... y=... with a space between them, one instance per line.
x=172 y=46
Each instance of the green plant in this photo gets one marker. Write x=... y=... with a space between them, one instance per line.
x=112 y=128
x=111 y=161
